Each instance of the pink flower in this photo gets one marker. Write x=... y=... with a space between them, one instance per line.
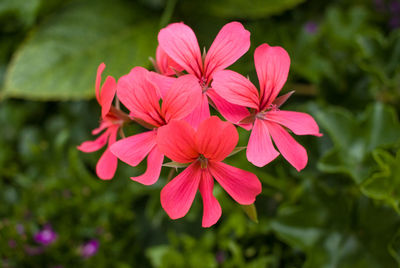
x=180 y=43
x=141 y=94
x=272 y=66
x=204 y=149
x=111 y=120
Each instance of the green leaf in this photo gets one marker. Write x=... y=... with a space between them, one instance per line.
x=385 y=183
x=337 y=229
x=251 y=212
x=59 y=60
x=355 y=138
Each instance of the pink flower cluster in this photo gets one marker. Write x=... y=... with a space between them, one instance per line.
x=173 y=103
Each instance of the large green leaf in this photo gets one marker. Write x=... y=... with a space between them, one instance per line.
x=60 y=58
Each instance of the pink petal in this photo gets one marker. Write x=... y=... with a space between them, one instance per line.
x=241 y=185
x=299 y=123
x=232 y=41
x=103 y=125
x=291 y=150
x=260 y=150
x=133 y=150
x=200 y=113
x=140 y=96
x=107 y=164
x=183 y=96
x=107 y=95
x=272 y=66
x=176 y=141
x=100 y=70
x=154 y=164
x=231 y=112
x=180 y=43
x=216 y=139
x=166 y=65
x=178 y=195
x=163 y=82
x=211 y=208
x=236 y=88
x=92 y=146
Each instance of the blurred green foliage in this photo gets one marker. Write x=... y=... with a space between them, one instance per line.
x=341 y=211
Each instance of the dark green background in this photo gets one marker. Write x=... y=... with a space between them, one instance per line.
x=341 y=211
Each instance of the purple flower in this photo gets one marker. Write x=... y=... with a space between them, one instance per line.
x=12 y=243
x=20 y=229
x=311 y=27
x=89 y=249
x=46 y=236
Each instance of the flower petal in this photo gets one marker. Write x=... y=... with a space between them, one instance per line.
x=180 y=43
x=299 y=123
x=178 y=195
x=236 y=88
x=163 y=82
x=92 y=146
x=200 y=113
x=154 y=164
x=176 y=141
x=272 y=66
x=260 y=150
x=107 y=95
x=232 y=41
x=231 y=112
x=107 y=164
x=183 y=96
x=166 y=65
x=211 y=207
x=100 y=70
x=103 y=125
x=216 y=139
x=140 y=95
x=133 y=150
x=291 y=150
x=241 y=185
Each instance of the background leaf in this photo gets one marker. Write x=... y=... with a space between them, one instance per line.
x=53 y=63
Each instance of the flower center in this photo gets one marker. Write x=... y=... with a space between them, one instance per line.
x=203 y=161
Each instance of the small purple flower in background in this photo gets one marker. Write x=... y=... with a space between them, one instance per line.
x=89 y=249
x=220 y=257
x=311 y=27
x=46 y=236
x=12 y=243
x=20 y=229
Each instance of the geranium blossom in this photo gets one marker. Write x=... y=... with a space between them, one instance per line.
x=272 y=66
x=111 y=121
x=141 y=95
x=204 y=149
x=180 y=43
